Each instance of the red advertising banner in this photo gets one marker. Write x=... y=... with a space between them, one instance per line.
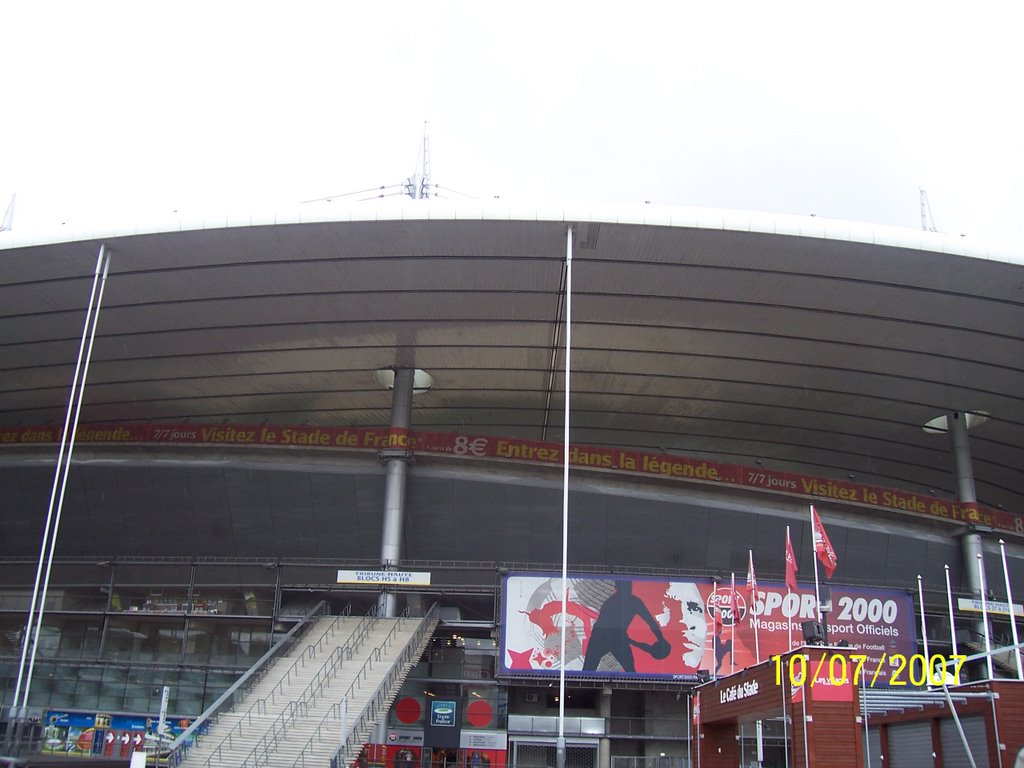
x=532 y=451
x=631 y=627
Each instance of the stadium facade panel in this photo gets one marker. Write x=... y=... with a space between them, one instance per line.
x=236 y=450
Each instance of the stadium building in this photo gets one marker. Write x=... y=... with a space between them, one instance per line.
x=363 y=412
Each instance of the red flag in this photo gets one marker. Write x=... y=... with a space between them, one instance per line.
x=822 y=546
x=791 y=568
x=751 y=583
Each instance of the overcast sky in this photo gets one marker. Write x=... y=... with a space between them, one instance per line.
x=839 y=109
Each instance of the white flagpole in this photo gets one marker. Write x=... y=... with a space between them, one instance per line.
x=753 y=599
x=696 y=734
x=924 y=629
x=787 y=721
x=1013 y=615
x=789 y=622
x=984 y=615
x=689 y=727
x=714 y=639
x=952 y=621
x=560 y=743
x=735 y=618
x=814 y=557
x=803 y=703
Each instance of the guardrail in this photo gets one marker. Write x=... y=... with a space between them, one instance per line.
x=375 y=707
x=180 y=746
x=649 y=727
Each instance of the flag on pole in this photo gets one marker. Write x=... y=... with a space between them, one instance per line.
x=822 y=546
x=791 y=568
x=751 y=588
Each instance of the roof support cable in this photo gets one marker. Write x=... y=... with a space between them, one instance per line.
x=48 y=544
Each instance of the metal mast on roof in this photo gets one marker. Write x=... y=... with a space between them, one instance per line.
x=927 y=220
x=417 y=186
x=8 y=222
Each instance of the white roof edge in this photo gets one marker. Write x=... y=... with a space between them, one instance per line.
x=437 y=210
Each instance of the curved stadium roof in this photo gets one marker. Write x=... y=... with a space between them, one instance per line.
x=800 y=344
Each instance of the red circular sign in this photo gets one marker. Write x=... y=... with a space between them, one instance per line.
x=479 y=713
x=408 y=710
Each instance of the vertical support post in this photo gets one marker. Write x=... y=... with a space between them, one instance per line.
x=956 y=425
x=984 y=613
x=924 y=628
x=787 y=721
x=949 y=602
x=864 y=717
x=396 y=470
x=189 y=603
x=560 y=743
x=276 y=609
x=690 y=730
x=604 y=709
x=803 y=704
x=1013 y=614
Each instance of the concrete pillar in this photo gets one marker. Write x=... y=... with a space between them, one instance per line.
x=604 y=709
x=396 y=467
x=956 y=425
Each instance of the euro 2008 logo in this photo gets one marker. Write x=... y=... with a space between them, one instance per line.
x=719 y=606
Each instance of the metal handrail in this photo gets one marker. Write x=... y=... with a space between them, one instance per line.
x=180 y=746
x=373 y=708
x=300 y=706
x=260 y=705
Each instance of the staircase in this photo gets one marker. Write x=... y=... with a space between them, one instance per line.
x=297 y=712
x=1003 y=664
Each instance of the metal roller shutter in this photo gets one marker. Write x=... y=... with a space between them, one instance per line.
x=910 y=746
x=953 y=754
x=874 y=748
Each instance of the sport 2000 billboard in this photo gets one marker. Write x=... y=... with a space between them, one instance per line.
x=655 y=628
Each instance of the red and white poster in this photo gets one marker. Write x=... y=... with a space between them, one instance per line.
x=629 y=626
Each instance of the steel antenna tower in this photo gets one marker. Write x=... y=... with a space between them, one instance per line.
x=927 y=220
x=417 y=186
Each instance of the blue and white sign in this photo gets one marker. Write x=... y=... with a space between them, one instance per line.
x=442 y=713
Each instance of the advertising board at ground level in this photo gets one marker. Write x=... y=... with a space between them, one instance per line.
x=673 y=629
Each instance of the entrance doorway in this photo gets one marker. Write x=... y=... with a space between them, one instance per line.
x=441 y=758
x=773 y=744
